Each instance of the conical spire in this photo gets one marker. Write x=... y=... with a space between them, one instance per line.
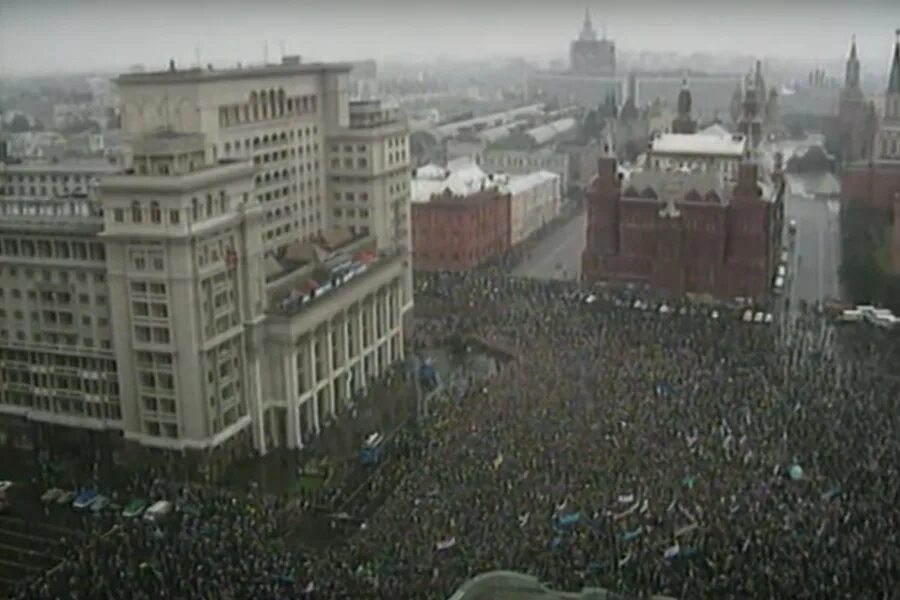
x=894 y=79
x=587 y=28
x=851 y=77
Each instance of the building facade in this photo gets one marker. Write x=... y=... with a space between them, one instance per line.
x=454 y=233
x=534 y=201
x=368 y=174
x=275 y=115
x=877 y=181
x=169 y=307
x=683 y=232
x=853 y=129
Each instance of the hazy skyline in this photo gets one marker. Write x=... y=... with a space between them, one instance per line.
x=40 y=36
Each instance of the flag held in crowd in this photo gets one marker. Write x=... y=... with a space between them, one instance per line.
x=570 y=519
x=446 y=544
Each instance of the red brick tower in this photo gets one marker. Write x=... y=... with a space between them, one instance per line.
x=602 y=219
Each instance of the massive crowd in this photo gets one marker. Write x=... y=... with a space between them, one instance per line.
x=675 y=454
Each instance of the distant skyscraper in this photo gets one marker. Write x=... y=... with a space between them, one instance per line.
x=590 y=55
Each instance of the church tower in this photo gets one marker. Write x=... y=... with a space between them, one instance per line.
x=888 y=145
x=683 y=123
x=750 y=123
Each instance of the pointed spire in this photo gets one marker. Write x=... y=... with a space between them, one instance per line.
x=587 y=28
x=853 y=47
x=894 y=79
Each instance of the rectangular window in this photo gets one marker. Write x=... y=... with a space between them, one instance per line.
x=174 y=217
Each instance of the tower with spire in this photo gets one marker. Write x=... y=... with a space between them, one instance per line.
x=853 y=133
x=887 y=146
x=750 y=121
x=683 y=123
x=590 y=55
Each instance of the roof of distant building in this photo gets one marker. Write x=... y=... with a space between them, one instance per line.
x=520 y=183
x=196 y=74
x=709 y=143
x=461 y=179
x=546 y=133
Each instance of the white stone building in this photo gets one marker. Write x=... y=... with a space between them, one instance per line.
x=205 y=299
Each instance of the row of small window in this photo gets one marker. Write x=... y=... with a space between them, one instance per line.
x=49 y=359
x=57 y=339
x=58 y=249
x=146 y=334
x=40 y=191
x=889 y=149
x=154 y=288
x=242 y=147
x=44 y=178
x=396 y=157
x=154 y=404
x=147 y=260
x=351 y=196
x=276 y=156
x=208 y=210
x=351 y=213
x=72 y=406
x=50 y=317
x=60 y=298
x=267 y=105
x=156 y=380
x=160 y=429
x=152 y=310
x=59 y=382
x=48 y=276
x=361 y=163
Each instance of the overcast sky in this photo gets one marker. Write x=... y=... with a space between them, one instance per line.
x=71 y=35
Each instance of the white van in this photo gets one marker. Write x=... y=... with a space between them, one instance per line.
x=158 y=510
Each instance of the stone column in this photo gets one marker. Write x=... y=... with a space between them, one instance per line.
x=290 y=394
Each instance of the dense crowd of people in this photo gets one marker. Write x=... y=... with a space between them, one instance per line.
x=647 y=453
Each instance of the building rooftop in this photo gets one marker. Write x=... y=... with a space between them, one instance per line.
x=196 y=74
x=710 y=143
x=491 y=120
x=548 y=132
x=461 y=179
x=711 y=188
x=520 y=183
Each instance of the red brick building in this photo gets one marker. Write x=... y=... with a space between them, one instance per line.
x=456 y=232
x=876 y=182
x=684 y=232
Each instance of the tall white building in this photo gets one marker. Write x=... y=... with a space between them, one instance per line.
x=205 y=298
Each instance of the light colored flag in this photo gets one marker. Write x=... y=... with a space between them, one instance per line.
x=672 y=552
x=446 y=544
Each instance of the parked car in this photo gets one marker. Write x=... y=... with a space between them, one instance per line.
x=84 y=499
x=134 y=508
x=51 y=495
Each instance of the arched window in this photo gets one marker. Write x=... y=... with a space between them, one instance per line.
x=273 y=104
x=209 y=205
x=136 y=215
x=281 y=102
x=223 y=202
x=195 y=209
x=254 y=106
x=155 y=213
x=227 y=147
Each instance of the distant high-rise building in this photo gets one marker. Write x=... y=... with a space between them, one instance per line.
x=590 y=55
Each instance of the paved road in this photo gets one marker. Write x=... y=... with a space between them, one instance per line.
x=816 y=255
x=563 y=247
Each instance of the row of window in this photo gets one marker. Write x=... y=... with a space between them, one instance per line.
x=44 y=178
x=56 y=249
x=76 y=407
x=212 y=207
x=351 y=213
x=267 y=105
x=266 y=140
x=70 y=340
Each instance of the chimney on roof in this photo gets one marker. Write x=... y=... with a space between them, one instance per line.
x=171 y=65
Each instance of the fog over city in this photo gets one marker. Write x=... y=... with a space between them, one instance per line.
x=63 y=35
